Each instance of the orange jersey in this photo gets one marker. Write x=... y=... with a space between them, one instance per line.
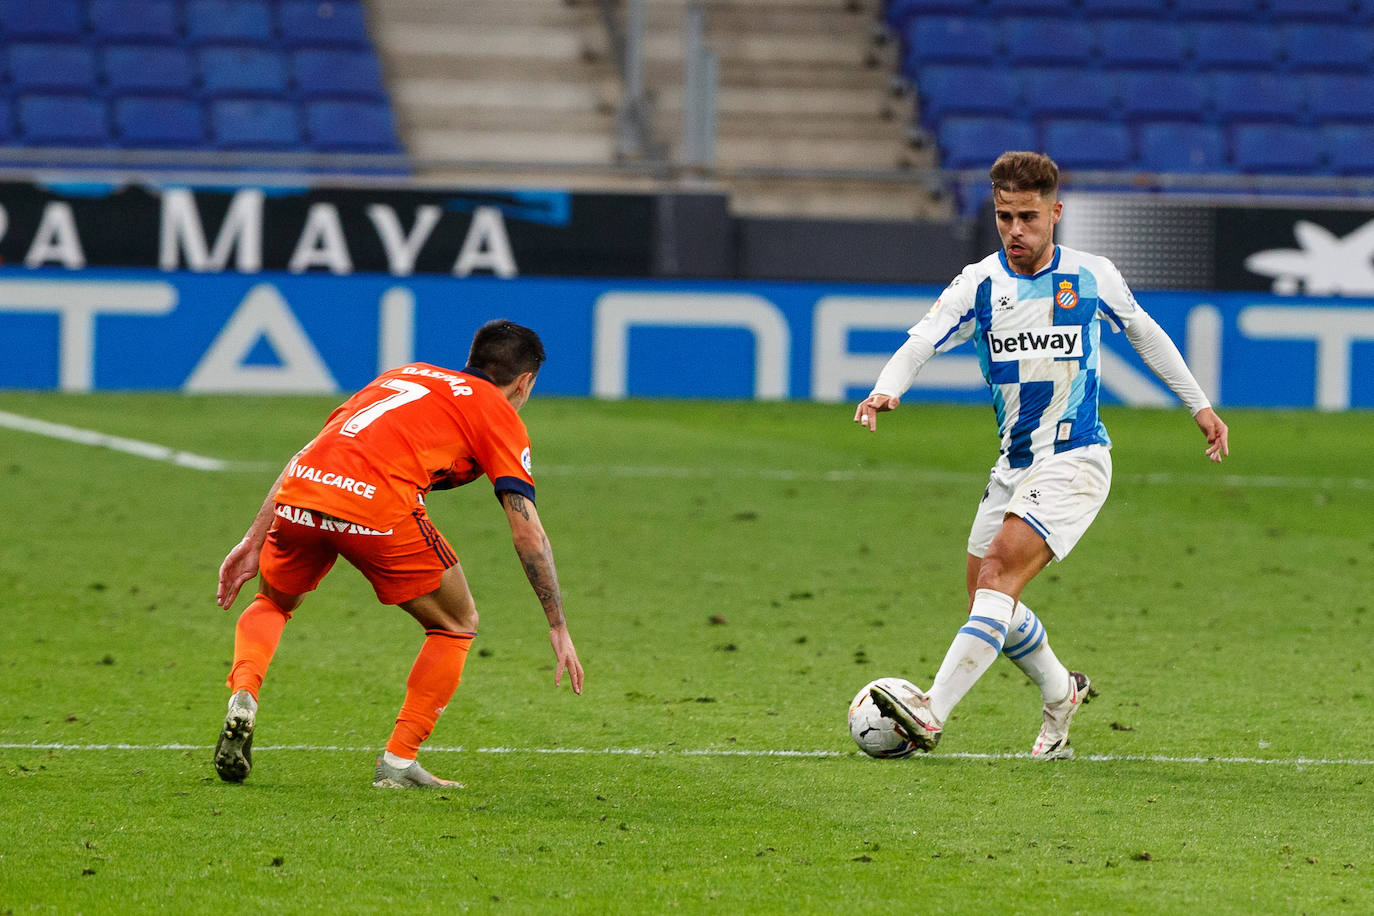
x=412 y=429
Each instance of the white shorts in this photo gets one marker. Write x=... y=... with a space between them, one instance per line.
x=1058 y=496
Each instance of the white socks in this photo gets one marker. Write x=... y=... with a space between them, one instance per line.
x=974 y=649
x=392 y=760
x=1028 y=646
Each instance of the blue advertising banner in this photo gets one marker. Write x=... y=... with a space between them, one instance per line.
x=146 y=329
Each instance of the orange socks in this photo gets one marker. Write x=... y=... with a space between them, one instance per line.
x=255 y=641
x=436 y=673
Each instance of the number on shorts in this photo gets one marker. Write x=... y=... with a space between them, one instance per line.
x=405 y=393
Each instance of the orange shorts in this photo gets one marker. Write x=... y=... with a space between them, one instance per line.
x=403 y=563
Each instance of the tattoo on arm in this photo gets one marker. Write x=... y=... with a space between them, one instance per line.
x=539 y=569
x=516 y=503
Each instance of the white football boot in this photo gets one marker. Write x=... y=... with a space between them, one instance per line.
x=412 y=776
x=910 y=710
x=234 y=751
x=1053 y=741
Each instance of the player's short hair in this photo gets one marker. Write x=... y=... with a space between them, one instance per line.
x=1019 y=170
x=504 y=350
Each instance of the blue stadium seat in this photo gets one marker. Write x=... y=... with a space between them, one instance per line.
x=229 y=21
x=1364 y=11
x=1189 y=10
x=148 y=68
x=63 y=120
x=973 y=143
x=360 y=127
x=309 y=23
x=338 y=72
x=1033 y=7
x=7 y=133
x=266 y=124
x=952 y=90
x=1328 y=11
x=1235 y=45
x=1142 y=43
x=1155 y=95
x=1337 y=98
x=159 y=122
x=1347 y=148
x=948 y=40
x=1274 y=149
x=1060 y=42
x=1327 y=48
x=899 y=13
x=240 y=71
x=1109 y=8
x=1057 y=92
x=44 y=66
x=1256 y=97
x=1088 y=144
x=55 y=19
x=1167 y=146
x=134 y=20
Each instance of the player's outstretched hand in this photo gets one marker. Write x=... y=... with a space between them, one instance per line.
x=567 y=658
x=866 y=414
x=1215 y=431
x=238 y=567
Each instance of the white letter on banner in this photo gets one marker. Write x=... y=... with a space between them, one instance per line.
x=402 y=249
x=56 y=239
x=616 y=313
x=77 y=303
x=834 y=370
x=262 y=314
x=395 y=329
x=321 y=243
x=1333 y=330
x=181 y=228
x=487 y=246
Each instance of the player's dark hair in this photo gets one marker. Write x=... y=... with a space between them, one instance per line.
x=503 y=350
x=1025 y=171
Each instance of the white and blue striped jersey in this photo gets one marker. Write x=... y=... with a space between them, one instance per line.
x=1037 y=339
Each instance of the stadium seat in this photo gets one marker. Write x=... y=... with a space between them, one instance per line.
x=1235 y=45
x=310 y=23
x=63 y=120
x=1347 y=147
x=1055 y=92
x=44 y=66
x=1032 y=7
x=1109 y=8
x=948 y=40
x=55 y=19
x=1256 y=97
x=363 y=127
x=951 y=90
x=148 y=68
x=229 y=21
x=1088 y=144
x=240 y=71
x=899 y=13
x=1329 y=11
x=7 y=133
x=166 y=122
x=1191 y=10
x=134 y=20
x=1336 y=98
x=1142 y=43
x=1275 y=148
x=338 y=73
x=973 y=143
x=1313 y=48
x=1157 y=95
x=1181 y=147
x=1030 y=40
x=255 y=124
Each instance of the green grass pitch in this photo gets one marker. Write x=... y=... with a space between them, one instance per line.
x=734 y=573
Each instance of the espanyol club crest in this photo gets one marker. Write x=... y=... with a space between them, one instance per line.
x=1066 y=297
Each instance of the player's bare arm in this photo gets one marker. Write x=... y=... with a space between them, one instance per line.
x=241 y=564
x=866 y=414
x=1216 y=432
x=536 y=556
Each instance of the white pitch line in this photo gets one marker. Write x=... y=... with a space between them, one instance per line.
x=711 y=752
x=150 y=450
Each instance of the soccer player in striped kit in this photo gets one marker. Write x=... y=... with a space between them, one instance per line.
x=357 y=490
x=1033 y=311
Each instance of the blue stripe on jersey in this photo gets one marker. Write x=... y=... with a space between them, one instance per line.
x=1038 y=525
x=1035 y=397
x=1107 y=310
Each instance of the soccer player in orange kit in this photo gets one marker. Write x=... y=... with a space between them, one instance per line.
x=357 y=490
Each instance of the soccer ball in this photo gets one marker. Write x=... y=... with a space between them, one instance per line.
x=874 y=733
